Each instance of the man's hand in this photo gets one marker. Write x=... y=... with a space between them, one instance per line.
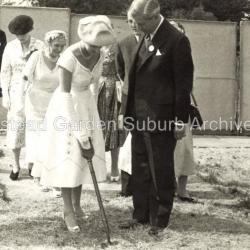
x=87 y=149
x=119 y=91
x=6 y=102
x=180 y=130
x=120 y=122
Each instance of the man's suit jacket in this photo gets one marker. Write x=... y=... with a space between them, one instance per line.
x=161 y=77
x=125 y=52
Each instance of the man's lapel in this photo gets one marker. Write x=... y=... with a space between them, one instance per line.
x=159 y=39
x=149 y=51
x=133 y=65
x=162 y=35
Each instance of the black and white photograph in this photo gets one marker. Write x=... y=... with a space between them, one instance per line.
x=124 y=124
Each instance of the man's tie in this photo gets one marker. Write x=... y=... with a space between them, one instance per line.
x=148 y=41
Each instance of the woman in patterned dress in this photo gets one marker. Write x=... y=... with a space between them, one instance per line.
x=15 y=56
x=109 y=101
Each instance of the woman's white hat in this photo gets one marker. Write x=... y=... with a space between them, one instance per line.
x=53 y=34
x=96 y=30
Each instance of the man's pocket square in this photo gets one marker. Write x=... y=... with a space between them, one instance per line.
x=158 y=53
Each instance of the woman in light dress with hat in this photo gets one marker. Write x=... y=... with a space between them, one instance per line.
x=41 y=79
x=72 y=118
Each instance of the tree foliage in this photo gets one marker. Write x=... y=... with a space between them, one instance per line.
x=190 y=9
x=108 y=7
x=170 y=8
x=225 y=9
x=198 y=13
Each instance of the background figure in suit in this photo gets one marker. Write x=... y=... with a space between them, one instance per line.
x=126 y=49
x=157 y=110
x=3 y=42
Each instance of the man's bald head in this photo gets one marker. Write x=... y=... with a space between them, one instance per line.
x=145 y=8
x=146 y=14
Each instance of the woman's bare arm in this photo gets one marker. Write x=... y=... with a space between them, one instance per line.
x=65 y=78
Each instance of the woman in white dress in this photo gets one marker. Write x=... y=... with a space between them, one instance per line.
x=15 y=56
x=72 y=118
x=41 y=76
x=184 y=164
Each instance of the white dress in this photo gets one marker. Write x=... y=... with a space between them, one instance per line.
x=125 y=157
x=183 y=155
x=42 y=83
x=13 y=62
x=63 y=165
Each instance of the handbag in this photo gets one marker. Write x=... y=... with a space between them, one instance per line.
x=195 y=115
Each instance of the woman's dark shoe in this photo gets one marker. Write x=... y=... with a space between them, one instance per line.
x=122 y=194
x=131 y=224
x=14 y=176
x=30 y=172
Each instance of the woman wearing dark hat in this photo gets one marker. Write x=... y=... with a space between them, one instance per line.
x=15 y=56
x=72 y=118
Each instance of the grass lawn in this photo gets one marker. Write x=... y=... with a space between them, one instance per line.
x=30 y=219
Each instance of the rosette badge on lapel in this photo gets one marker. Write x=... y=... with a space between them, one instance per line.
x=151 y=48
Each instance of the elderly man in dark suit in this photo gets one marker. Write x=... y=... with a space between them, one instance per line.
x=157 y=111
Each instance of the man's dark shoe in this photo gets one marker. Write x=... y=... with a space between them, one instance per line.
x=155 y=231
x=122 y=194
x=186 y=199
x=131 y=224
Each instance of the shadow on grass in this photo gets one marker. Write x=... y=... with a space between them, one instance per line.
x=4 y=171
x=3 y=193
x=51 y=230
x=191 y=222
x=210 y=195
x=239 y=204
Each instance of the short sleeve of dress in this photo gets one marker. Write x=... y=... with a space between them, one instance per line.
x=67 y=60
